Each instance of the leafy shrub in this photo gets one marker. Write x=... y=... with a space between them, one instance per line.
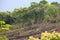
x=50 y=36
x=47 y=36
x=3 y=28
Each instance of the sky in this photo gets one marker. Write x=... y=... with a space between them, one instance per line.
x=10 y=5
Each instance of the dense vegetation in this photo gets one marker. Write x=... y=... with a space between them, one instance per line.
x=36 y=13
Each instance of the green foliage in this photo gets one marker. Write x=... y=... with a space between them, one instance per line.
x=3 y=38
x=2 y=22
x=54 y=3
x=43 y=2
x=4 y=26
x=51 y=12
